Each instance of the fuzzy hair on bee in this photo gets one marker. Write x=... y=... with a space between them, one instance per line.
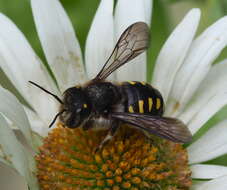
x=100 y=104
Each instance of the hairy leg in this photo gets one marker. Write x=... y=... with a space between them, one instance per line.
x=111 y=132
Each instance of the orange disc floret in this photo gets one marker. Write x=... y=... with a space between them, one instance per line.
x=67 y=160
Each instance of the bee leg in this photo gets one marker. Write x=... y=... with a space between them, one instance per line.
x=88 y=125
x=109 y=136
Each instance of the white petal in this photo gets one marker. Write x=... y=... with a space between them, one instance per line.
x=215 y=184
x=148 y=5
x=47 y=108
x=38 y=140
x=2 y=160
x=205 y=171
x=212 y=106
x=22 y=161
x=211 y=145
x=215 y=82
x=100 y=40
x=59 y=42
x=12 y=109
x=127 y=13
x=204 y=50
x=11 y=180
x=37 y=124
x=21 y=64
x=174 y=51
x=205 y=104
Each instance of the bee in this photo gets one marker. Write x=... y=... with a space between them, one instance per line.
x=100 y=104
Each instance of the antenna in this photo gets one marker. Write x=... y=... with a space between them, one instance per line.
x=55 y=118
x=40 y=87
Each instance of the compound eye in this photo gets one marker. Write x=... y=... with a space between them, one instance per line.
x=70 y=119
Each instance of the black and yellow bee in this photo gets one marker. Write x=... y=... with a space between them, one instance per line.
x=103 y=104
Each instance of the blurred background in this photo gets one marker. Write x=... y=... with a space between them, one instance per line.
x=166 y=15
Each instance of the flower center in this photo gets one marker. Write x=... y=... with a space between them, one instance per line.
x=129 y=161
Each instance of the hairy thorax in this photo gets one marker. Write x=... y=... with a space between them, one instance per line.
x=103 y=96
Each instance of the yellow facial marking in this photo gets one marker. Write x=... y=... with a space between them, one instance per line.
x=150 y=103
x=130 y=109
x=132 y=82
x=158 y=103
x=143 y=83
x=141 y=102
x=85 y=105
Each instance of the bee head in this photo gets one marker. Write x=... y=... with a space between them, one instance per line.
x=75 y=108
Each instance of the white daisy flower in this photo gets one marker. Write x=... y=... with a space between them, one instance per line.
x=193 y=89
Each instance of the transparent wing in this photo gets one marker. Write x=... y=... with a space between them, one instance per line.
x=132 y=42
x=168 y=128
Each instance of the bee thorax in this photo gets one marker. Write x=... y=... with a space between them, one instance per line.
x=102 y=95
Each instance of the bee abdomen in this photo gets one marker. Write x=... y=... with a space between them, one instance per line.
x=142 y=98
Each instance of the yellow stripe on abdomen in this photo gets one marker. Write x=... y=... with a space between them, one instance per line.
x=150 y=104
x=143 y=83
x=132 y=82
x=141 y=103
x=130 y=109
x=158 y=103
